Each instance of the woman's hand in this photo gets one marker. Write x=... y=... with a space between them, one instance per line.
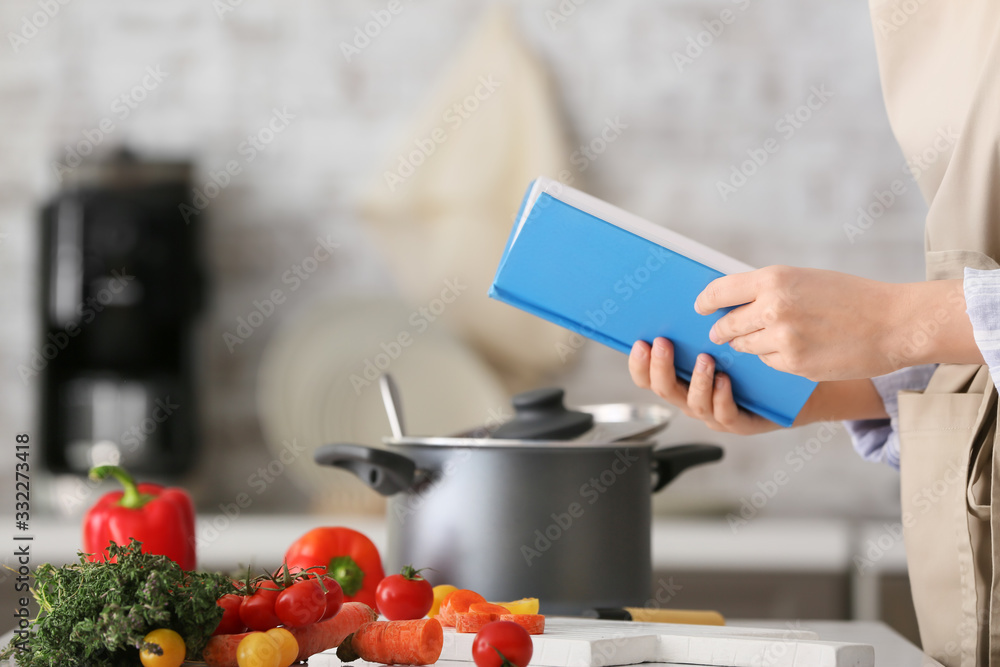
x=825 y=325
x=822 y=325
x=708 y=397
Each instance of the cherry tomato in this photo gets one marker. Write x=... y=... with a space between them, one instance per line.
x=404 y=596
x=507 y=637
x=231 y=623
x=288 y=646
x=258 y=650
x=257 y=610
x=334 y=597
x=162 y=648
x=302 y=603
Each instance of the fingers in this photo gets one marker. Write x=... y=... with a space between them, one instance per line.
x=731 y=290
x=638 y=364
x=708 y=397
x=699 y=395
x=723 y=405
x=775 y=361
x=757 y=342
x=737 y=322
x=663 y=375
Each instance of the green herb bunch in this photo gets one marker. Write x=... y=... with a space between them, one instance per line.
x=96 y=614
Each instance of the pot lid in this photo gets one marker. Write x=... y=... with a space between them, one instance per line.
x=541 y=419
x=541 y=415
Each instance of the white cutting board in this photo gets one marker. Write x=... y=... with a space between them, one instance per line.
x=582 y=642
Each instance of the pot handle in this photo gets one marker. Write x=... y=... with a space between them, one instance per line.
x=669 y=462
x=384 y=471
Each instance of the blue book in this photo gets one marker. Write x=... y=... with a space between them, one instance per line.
x=615 y=278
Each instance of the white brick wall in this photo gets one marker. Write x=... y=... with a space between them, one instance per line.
x=686 y=128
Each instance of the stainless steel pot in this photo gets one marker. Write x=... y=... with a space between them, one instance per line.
x=557 y=507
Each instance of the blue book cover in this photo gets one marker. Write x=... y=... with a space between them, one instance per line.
x=615 y=278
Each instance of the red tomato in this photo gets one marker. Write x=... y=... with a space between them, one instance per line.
x=334 y=597
x=257 y=610
x=302 y=603
x=507 y=637
x=404 y=596
x=231 y=623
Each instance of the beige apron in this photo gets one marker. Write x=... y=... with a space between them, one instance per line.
x=940 y=66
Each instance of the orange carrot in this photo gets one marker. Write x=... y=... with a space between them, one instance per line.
x=473 y=621
x=457 y=602
x=488 y=608
x=312 y=639
x=352 y=615
x=533 y=623
x=417 y=642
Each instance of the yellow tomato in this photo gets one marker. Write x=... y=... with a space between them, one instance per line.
x=162 y=648
x=522 y=606
x=439 y=594
x=258 y=650
x=288 y=646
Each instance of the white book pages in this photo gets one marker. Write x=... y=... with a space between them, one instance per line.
x=662 y=236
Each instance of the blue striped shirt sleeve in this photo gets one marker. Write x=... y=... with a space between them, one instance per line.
x=878 y=439
x=982 y=303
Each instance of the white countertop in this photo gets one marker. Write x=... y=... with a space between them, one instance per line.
x=891 y=650
x=703 y=544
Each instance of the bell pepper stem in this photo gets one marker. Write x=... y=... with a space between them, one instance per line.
x=131 y=498
x=347 y=573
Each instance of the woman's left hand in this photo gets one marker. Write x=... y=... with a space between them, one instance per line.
x=708 y=397
x=822 y=325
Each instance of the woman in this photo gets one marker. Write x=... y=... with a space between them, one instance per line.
x=911 y=366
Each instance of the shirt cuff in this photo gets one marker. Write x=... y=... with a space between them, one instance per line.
x=982 y=303
x=878 y=439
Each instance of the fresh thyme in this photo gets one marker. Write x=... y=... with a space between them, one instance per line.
x=96 y=614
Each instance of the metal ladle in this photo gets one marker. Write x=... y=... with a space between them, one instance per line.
x=393 y=406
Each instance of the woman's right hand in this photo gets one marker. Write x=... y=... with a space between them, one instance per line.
x=708 y=397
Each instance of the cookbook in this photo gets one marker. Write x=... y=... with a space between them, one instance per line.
x=616 y=278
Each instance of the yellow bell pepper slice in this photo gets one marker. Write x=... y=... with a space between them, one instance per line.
x=522 y=606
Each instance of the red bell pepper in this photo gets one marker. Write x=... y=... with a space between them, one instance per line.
x=161 y=518
x=348 y=556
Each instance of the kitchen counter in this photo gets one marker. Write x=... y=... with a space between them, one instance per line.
x=891 y=649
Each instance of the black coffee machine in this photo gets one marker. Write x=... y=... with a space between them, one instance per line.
x=121 y=286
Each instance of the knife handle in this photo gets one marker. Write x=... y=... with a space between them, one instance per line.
x=686 y=616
